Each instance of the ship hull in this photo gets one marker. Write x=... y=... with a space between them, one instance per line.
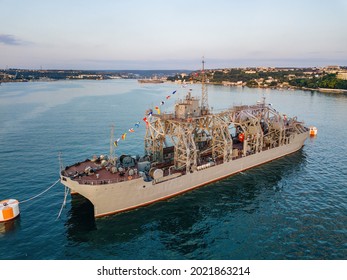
x=123 y=196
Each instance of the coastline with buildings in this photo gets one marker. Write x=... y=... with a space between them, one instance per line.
x=322 y=79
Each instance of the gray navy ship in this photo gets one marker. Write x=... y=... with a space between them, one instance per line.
x=184 y=150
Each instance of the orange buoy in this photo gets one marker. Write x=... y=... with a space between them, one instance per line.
x=9 y=209
x=313 y=131
x=241 y=137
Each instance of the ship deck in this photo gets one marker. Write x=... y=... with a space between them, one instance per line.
x=102 y=175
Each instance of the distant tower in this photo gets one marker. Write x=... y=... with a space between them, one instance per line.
x=204 y=94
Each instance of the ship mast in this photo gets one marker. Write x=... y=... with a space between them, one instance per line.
x=61 y=165
x=112 y=152
x=204 y=94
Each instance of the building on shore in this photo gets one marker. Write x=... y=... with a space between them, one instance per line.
x=332 y=69
x=342 y=75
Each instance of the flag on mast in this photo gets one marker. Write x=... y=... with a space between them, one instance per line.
x=115 y=143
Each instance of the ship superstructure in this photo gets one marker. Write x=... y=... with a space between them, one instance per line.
x=199 y=136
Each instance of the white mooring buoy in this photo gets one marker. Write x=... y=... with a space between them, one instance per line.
x=9 y=209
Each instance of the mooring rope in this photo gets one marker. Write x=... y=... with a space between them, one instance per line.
x=66 y=192
x=41 y=193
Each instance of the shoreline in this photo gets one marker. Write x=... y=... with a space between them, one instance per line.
x=322 y=90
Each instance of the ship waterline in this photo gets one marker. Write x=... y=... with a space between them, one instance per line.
x=118 y=197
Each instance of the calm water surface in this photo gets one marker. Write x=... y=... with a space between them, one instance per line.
x=292 y=208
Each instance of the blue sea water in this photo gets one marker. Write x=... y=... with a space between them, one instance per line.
x=292 y=208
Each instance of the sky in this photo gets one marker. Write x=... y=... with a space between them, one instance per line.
x=153 y=34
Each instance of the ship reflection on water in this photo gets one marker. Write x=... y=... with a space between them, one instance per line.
x=9 y=226
x=184 y=217
x=81 y=219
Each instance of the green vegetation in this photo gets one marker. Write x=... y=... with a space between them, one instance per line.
x=25 y=75
x=326 y=81
x=313 y=78
x=235 y=75
x=177 y=77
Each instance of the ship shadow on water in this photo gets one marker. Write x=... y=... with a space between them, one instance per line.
x=81 y=218
x=180 y=224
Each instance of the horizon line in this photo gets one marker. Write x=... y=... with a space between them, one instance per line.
x=171 y=69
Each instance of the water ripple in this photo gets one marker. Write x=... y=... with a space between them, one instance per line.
x=292 y=208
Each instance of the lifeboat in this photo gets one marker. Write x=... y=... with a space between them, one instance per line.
x=9 y=209
x=313 y=131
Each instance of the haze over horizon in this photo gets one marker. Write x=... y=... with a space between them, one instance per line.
x=152 y=34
